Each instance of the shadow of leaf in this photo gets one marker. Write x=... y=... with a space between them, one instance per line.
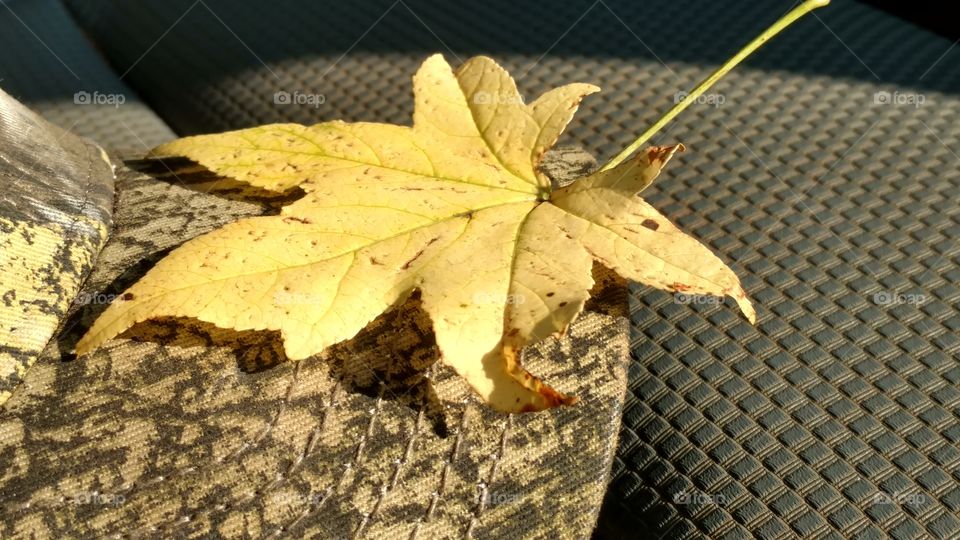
x=193 y=176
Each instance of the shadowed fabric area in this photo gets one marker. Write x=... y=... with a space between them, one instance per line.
x=186 y=429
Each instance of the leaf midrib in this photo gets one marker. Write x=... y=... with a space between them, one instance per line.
x=406 y=231
x=364 y=163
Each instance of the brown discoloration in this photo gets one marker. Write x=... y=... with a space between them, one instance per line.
x=551 y=397
x=407 y=264
x=650 y=224
x=297 y=219
x=555 y=399
x=660 y=154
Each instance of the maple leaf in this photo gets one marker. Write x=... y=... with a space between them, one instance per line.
x=454 y=207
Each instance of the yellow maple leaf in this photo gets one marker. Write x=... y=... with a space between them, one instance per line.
x=453 y=207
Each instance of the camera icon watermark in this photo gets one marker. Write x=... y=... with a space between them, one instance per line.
x=495 y=98
x=883 y=97
x=494 y=498
x=282 y=97
x=713 y=100
x=899 y=498
x=85 y=299
x=697 y=299
x=96 y=498
x=893 y=298
x=98 y=98
x=699 y=498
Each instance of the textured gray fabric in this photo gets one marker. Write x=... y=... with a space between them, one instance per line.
x=838 y=206
x=48 y=64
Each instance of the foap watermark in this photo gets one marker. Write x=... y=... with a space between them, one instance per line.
x=286 y=298
x=696 y=299
x=96 y=498
x=497 y=298
x=699 y=497
x=495 y=498
x=282 y=97
x=98 y=98
x=884 y=97
x=899 y=498
x=496 y=98
x=713 y=100
x=893 y=298
x=85 y=299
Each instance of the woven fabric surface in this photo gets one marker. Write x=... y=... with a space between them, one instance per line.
x=838 y=415
x=185 y=430
x=55 y=215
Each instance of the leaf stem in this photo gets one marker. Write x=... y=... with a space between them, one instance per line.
x=785 y=21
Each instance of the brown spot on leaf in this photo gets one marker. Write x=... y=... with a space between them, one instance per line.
x=291 y=219
x=554 y=398
x=661 y=153
x=650 y=224
x=407 y=264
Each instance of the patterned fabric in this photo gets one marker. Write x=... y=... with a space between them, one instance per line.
x=182 y=429
x=56 y=197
